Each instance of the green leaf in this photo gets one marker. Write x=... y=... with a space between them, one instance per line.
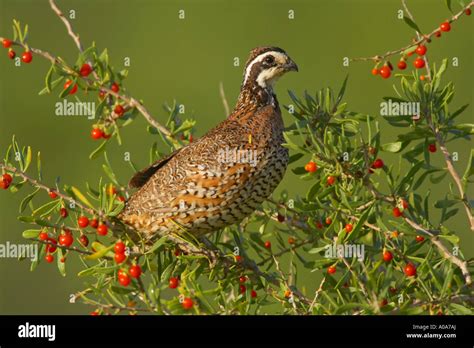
x=101 y=251
x=49 y=75
x=392 y=147
x=157 y=245
x=438 y=179
x=448 y=4
x=470 y=167
x=52 y=86
x=29 y=234
x=363 y=218
x=460 y=309
x=38 y=165
x=81 y=197
x=341 y=91
x=47 y=208
x=27 y=199
x=446 y=203
x=411 y=24
x=61 y=265
x=295 y=157
x=98 y=151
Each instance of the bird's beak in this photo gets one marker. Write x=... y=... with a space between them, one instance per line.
x=291 y=66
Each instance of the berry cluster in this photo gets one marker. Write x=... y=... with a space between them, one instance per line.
x=419 y=62
x=26 y=57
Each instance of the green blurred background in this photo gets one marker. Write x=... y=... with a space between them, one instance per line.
x=186 y=60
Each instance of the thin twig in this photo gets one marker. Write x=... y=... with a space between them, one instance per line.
x=423 y=38
x=224 y=99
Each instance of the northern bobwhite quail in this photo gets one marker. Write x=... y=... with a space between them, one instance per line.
x=222 y=177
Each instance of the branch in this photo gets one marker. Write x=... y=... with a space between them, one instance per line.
x=421 y=39
x=37 y=184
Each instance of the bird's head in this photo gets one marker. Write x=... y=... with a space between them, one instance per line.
x=264 y=66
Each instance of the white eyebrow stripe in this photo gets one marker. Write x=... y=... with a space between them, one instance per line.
x=260 y=58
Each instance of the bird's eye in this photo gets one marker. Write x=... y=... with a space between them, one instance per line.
x=269 y=59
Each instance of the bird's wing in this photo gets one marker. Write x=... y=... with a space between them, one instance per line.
x=140 y=178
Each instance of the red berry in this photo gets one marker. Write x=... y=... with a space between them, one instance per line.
x=422 y=78
x=378 y=163
x=242 y=288
x=124 y=279
x=86 y=69
x=6 y=181
x=121 y=198
x=66 y=239
x=97 y=133
x=319 y=225
x=43 y=236
x=83 y=221
x=62 y=259
x=242 y=279
x=49 y=258
x=73 y=89
x=419 y=63
x=11 y=54
x=173 y=282
x=310 y=167
x=291 y=240
x=410 y=270
x=421 y=50
x=328 y=221
x=385 y=72
x=331 y=180
x=402 y=65
x=119 y=110
x=396 y=212
x=135 y=271
x=349 y=228
x=84 y=240
x=187 y=303
x=51 y=247
x=387 y=256
x=253 y=294
x=119 y=247
x=375 y=71
x=115 y=87
x=121 y=273
x=438 y=34
x=383 y=303
x=6 y=43
x=268 y=244
x=280 y=218
x=94 y=223
x=332 y=269
x=119 y=258
x=63 y=212
x=102 y=94
x=432 y=147
x=102 y=229
x=420 y=239
x=467 y=12
x=445 y=26
x=27 y=57
x=53 y=194
x=405 y=204
x=238 y=258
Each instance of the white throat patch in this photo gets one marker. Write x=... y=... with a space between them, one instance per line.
x=268 y=77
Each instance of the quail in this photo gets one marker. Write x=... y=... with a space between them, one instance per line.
x=222 y=177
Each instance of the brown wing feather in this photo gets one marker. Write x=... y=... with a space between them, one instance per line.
x=140 y=178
